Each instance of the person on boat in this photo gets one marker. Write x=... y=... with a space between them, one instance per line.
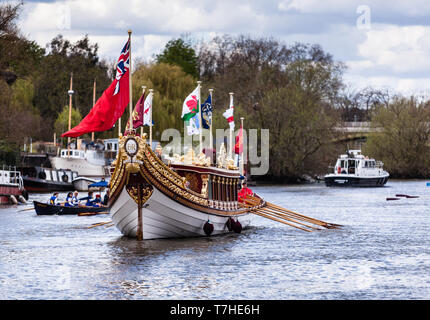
x=69 y=200
x=97 y=201
x=75 y=200
x=244 y=192
x=106 y=198
x=89 y=199
x=54 y=199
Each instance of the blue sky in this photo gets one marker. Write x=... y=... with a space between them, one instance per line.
x=385 y=44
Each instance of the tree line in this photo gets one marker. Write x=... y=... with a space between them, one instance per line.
x=296 y=91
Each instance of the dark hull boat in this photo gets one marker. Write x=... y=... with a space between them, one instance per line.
x=39 y=179
x=349 y=181
x=355 y=170
x=49 y=209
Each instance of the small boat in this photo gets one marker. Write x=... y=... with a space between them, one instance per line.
x=82 y=183
x=40 y=179
x=49 y=209
x=12 y=188
x=355 y=170
x=89 y=160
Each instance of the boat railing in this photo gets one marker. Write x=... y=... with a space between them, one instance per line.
x=13 y=176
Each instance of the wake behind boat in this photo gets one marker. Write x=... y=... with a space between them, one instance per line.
x=355 y=170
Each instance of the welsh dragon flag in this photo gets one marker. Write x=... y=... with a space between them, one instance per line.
x=190 y=112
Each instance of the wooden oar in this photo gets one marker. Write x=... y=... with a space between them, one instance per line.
x=98 y=224
x=281 y=221
x=286 y=217
x=26 y=209
x=389 y=199
x=91 y=213
x=279 y=216
x=300 y=216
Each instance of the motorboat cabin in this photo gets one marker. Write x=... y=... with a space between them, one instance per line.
x=354 y=169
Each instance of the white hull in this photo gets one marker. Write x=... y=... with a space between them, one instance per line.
x=81 y=166
x=164 y=218
x=82 y=183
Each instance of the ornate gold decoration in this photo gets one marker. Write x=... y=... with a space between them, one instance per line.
x=157 y=174
x=145 y=192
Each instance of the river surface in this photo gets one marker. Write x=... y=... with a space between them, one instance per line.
x=381 y=252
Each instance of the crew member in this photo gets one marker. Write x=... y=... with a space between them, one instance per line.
x=244 y=192
x=89 y=199
x=97 y=201
x=54 y=199
x=75 y=200
x=69 y=200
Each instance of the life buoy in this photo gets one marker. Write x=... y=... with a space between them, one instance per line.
x=338 y=169
x=65 y=178
x=42 y=175
x=208 y=228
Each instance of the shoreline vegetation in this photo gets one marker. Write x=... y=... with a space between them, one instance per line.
x=295 y=90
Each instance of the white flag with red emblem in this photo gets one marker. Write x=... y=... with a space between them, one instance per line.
x=228 y=114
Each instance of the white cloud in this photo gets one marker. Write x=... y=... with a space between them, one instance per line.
x=395 y=52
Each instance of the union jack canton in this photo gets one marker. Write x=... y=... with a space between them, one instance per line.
x=122 y=65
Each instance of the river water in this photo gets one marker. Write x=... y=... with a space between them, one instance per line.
x=382 y=252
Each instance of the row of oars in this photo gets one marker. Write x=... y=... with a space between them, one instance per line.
x=288 y=217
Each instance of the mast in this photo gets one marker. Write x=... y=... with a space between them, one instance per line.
x=231 y=131
x=211 y=142
x=129 y=79
x=241 y=155
x=200 y=115
x=70 y=92
x=143 y=92
x=150 y=119
x=94 y=102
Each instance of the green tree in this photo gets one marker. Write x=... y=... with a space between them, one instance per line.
x=401 y=138
x=171 y=86
x=61 y=124
x=290 y=90
x=179 y=52
x=52 y=84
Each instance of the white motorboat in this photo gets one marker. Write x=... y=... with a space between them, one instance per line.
x=355 y=170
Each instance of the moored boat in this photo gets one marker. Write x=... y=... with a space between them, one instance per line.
x=50 y=209
x=82 y=183
x=12 y=188
x=355 y=170
x=40 y=179
x=87 y=163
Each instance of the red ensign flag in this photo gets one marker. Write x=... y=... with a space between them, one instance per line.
x=111 y=105
x=238 y=147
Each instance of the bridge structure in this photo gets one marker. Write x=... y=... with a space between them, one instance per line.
x=357 y=130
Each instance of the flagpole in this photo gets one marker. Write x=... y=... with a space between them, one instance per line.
x=231 y=131
x=129 y=80
x=241 y=156
x=70 y=112
x=143 y=92
x=200 y=115
x=150 y=121
x=94 y=102
x=211 y=142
